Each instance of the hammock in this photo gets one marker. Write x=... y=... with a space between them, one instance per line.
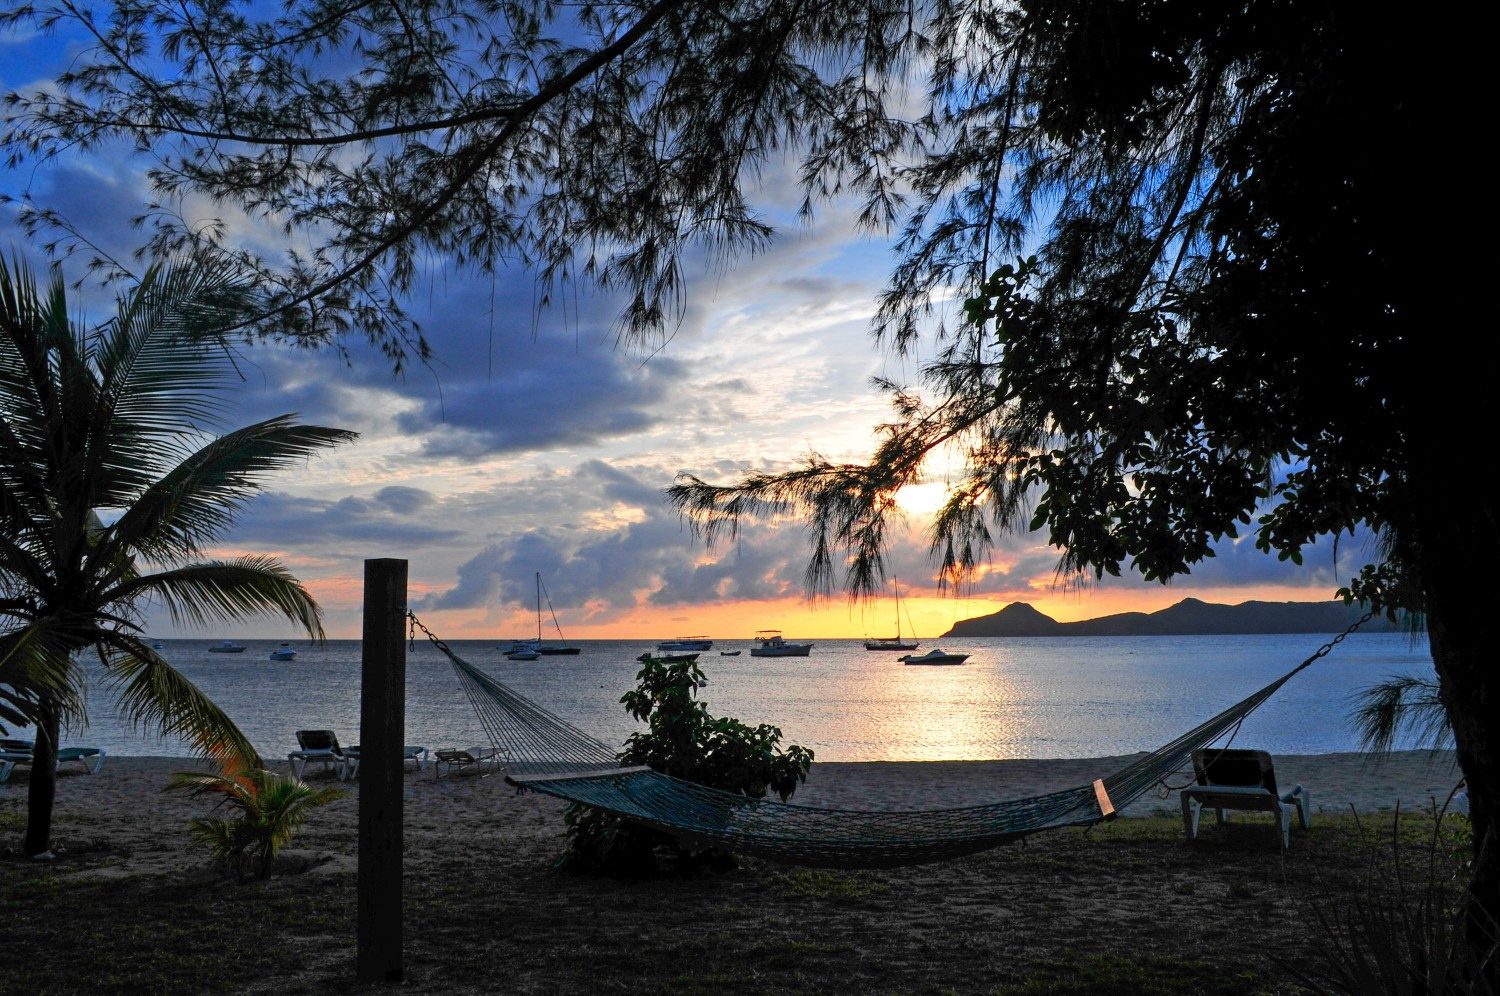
x=545 y=753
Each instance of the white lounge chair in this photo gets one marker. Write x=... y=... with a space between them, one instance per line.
x=17 y=752
x=409 y=752
x=92 y=758
x=456 y=759
x=1243 y=780
x=8 y=761
x=318 y=747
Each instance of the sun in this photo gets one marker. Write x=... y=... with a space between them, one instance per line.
x=922 y=500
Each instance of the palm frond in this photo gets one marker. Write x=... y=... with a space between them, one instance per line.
x=229 y=591
x=153 y=694
x=1402 y=708
x=196 y=501
x=160 y=364
x=37 y=670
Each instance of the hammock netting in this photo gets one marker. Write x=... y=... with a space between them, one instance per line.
x=544 y=752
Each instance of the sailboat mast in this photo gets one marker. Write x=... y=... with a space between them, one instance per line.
x=896 y=583
x=538 y=606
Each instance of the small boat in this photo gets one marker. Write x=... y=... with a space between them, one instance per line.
x=934 y=656
x=668 y=658
x=893 y=642
x=227 y=647
x=681 y=643
x=729 y=653
x=284 y=653
x=772 y=645
x=519 y=647
x=157 y=645
x=547 y=649
x=522 y=655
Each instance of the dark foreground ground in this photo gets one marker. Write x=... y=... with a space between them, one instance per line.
x=1127 y=907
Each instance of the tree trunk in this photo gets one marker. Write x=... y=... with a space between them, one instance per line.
x=1469 y=685
x=1459 y=539
x=43 y=789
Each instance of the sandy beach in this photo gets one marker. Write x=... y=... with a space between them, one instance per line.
x=477 y=849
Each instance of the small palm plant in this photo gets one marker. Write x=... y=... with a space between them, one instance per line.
x=1402 y=707
x=112 y=486
x=270 y=808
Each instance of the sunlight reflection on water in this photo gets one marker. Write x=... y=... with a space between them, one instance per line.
x=1015 y=698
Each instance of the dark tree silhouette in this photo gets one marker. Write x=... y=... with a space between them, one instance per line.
x=1229 y=205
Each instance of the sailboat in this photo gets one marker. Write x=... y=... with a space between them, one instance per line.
x=893 y=642
x=549 y=650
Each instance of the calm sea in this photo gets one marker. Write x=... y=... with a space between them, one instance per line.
x=1015 y=698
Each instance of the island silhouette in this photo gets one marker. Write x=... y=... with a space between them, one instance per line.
x=1189 y=617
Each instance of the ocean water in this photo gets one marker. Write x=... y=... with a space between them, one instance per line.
x=1015 y=698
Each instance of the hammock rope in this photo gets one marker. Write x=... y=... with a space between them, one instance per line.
x=544 y=752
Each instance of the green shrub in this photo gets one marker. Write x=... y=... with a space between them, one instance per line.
x=685 y=741
x=270 y=808
x=1405 y=926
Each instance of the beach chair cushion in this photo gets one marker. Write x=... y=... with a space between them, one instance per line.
x=318 y=740
x=1234 y=766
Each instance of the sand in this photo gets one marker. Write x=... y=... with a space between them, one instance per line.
x=125 y=803
x=131 y=906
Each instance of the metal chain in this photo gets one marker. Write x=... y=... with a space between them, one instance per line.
x=417 y=624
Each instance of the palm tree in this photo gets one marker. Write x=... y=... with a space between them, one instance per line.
x=271 y=807
x=111 y=486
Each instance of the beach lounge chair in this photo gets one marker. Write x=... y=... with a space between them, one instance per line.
x=92 y=758
x=1244 y=780
x=9 y=759
x=16 y=752
x=318 y=747
x=409 y=752
x=456 y=759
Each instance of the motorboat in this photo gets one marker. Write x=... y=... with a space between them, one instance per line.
x=227 y=647
x=772 y=645
x=668 y=658
x=729 y=653
x=284 y=653
x=522 y=654
x=893 y=642
x=157 y=645
x=685 y=643
x=934 y=656
x=520 y=647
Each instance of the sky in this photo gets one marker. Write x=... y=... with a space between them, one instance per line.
x=535 y=443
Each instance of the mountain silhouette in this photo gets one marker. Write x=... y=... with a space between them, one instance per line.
x=1189 y=617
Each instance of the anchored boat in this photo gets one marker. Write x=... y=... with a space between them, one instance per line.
x=893 y=642
x=934 y=656
x=772 y=645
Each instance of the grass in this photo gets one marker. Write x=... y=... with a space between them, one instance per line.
x=1128 y=907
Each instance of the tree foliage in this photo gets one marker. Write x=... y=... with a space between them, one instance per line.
x=596 y=141
x=111 y=423
x=684 y=740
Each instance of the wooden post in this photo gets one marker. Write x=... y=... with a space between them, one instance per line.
x=382 y=728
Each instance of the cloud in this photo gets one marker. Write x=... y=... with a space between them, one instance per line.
x=608 y=571
x=399 y=518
